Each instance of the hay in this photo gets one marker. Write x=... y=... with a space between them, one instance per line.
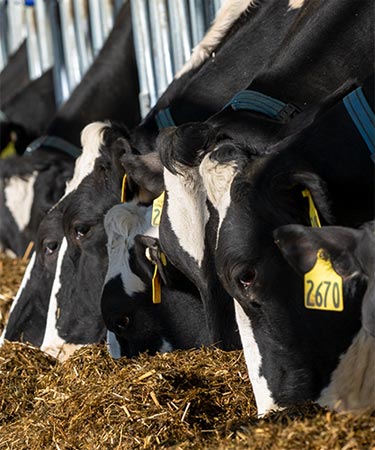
x=11 y=273
x=184 y=400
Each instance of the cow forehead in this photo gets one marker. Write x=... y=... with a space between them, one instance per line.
x=187 y=210
x=92 y=140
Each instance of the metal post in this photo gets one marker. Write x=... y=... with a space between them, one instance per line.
x=96 y=26
x=81 y=27
x=59 y=72
x=197 y=21
x=33 y=56
x=69 y=44
x=3 y=35
x=179 y=25
x=160 y=45
x=43 y=35
x=147 y=94
x=16 y=24
x=106 y=16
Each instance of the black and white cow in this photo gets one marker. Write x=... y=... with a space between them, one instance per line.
x=259 y=193
x=139 y=325
x=91 y=100
x=350 y=252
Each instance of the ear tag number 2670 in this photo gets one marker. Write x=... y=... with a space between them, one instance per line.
x=323 y=286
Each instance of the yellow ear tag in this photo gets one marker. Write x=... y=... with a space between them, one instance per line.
x=9 y=150
x=313 y=213
x=163 y=259
x=157 y=208
x=323 y=286
x=123 y=190
x=156 y=286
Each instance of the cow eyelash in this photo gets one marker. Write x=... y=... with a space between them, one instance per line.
x=80 y=231
x=50 y=247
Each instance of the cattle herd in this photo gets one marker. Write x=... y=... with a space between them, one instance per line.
x=239 y=213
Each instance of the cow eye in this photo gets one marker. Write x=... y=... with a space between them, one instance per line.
x=81 y=231
x=247 y=278
x=50 y=247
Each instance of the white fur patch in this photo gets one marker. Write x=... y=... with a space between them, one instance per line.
x=295 y=4
x=113 y=346
x=217 y=179
x=166 y=347
x=19 y=197
x=352 y=386
x=25 y=279
x=187 y=210
x=263 y=396
x=122 y=223
x=229 y=12
x=52 y=343
x=91 y=140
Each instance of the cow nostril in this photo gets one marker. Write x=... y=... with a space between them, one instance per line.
x=247 y=278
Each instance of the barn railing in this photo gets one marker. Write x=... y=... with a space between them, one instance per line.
x=68 y=34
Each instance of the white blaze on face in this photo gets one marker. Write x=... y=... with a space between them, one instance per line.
x=113 y=345
x=25 y=279
x=122 y=223
x=217 y=179
x=187 y=210
x=296 y=4
x=262 y=393
x=19 y=197
x=52 y=343
x=352 y=385
x=91 y=140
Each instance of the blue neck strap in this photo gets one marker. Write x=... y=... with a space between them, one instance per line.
x=164 y=119
x=362 y=116
x=54 y=142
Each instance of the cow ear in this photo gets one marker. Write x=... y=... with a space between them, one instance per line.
x=298 y=181
x=146 y=173
x=298 y=246
x=185 y=145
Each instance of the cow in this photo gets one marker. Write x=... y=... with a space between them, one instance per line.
x=91 y=100
x=139 y=319
x=349 y=254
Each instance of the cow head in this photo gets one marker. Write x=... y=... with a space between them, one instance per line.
x=254 y=195
x=74 y=316
x=27 y=320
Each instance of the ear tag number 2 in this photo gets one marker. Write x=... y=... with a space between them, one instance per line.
x=323 y=286
x=157 y=208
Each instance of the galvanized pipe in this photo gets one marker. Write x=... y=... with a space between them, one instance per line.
x=81 y=28
x=3 y=35
x=71 y=59
x=197 y=21
x=33 y=55
x=43 y=35
x=16 y=24
x=96 y=26
x=180 y=37
x=142 y=45
x=59 y=72
x=106 y=16
x=160 y=45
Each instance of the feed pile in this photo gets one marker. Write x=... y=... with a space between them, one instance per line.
x=182 y=400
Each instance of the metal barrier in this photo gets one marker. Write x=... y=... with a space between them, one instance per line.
x=68 y=35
